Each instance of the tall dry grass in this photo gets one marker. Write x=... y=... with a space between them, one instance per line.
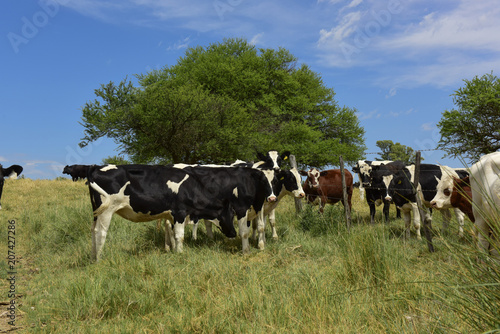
x=317 y=278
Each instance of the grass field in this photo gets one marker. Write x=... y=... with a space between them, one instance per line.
x=318 y=277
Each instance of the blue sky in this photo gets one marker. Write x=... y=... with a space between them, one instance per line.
x=397 y=61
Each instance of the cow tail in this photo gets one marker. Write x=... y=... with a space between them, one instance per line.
x=106 y=199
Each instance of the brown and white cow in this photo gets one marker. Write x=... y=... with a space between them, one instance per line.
x=326 y=187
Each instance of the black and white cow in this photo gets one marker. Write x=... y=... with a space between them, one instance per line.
x=284 y=183
x=76 y=171
x=373 y=193
x=12 y=172
x=177 y=193
x=399 y=183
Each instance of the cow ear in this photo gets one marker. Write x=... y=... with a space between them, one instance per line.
x=355 y=169
x=13 y=171
x=303 y=172
x=285 y=155
x=261 y=156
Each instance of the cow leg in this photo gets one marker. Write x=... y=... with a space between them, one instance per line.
x=169 y=236
x=416 y=220
x=398 y=213
x=272 y=222
x=483 y=231
x=261 y=229
x=385 y=210
x=460 y=218
x=254 y=229
x=407 y=220
x=208 y=228
x=195 y=230
x=321 y=204
x=99 y=231
x=244 y=234
x=371 y=204
x=179 y=235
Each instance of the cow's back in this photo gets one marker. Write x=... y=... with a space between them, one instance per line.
x=331 y=185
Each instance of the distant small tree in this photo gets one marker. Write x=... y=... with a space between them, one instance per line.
x=115 y=160
x=395 y=151
x=473 y=128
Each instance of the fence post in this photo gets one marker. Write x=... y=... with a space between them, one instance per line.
x=424 y=214
x=344 y=194
x=298 y=201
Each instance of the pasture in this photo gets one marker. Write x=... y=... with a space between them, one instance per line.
x=316 y=278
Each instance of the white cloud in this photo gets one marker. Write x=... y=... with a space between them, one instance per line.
x=392 y=92
x=184 y=44
x=256 y=39
x=427 y=126
x=2 y=159
x=420 y=43
x=372 y=114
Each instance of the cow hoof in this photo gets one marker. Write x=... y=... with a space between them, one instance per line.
x=261 y=245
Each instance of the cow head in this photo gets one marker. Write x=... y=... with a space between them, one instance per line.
x=67 y=169
x=363 y=169
x=11 y=172
x=313 y=176
x=272 y=160
x=444 y=188
x=400 y=188
x=290 y=181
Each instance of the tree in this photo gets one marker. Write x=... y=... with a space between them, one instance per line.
x=397 y=151
x=223 y=102
x=115 y=160
x=473 y=128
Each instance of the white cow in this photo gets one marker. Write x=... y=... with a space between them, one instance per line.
x=485 y=185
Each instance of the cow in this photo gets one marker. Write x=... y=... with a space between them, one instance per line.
x=284 y=183
x=11 y=172
x=374 y=194
x=485 y=186
x=272 y=161
x=446 y=187
x=399 y=184
x=326 y=187
x=176 y=193
x=76 y=171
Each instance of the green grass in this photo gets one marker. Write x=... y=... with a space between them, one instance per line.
x=316 y=278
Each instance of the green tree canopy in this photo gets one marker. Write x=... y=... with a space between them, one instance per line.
x=395 y=151
x=115 y=160
x=223 y=102
x=473 y=128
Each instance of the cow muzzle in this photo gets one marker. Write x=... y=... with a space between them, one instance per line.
x=435 y=205
x=271 y=198
x=388 y=198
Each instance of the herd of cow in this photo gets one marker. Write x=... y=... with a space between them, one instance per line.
x=180 y=194
x=473 y=191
